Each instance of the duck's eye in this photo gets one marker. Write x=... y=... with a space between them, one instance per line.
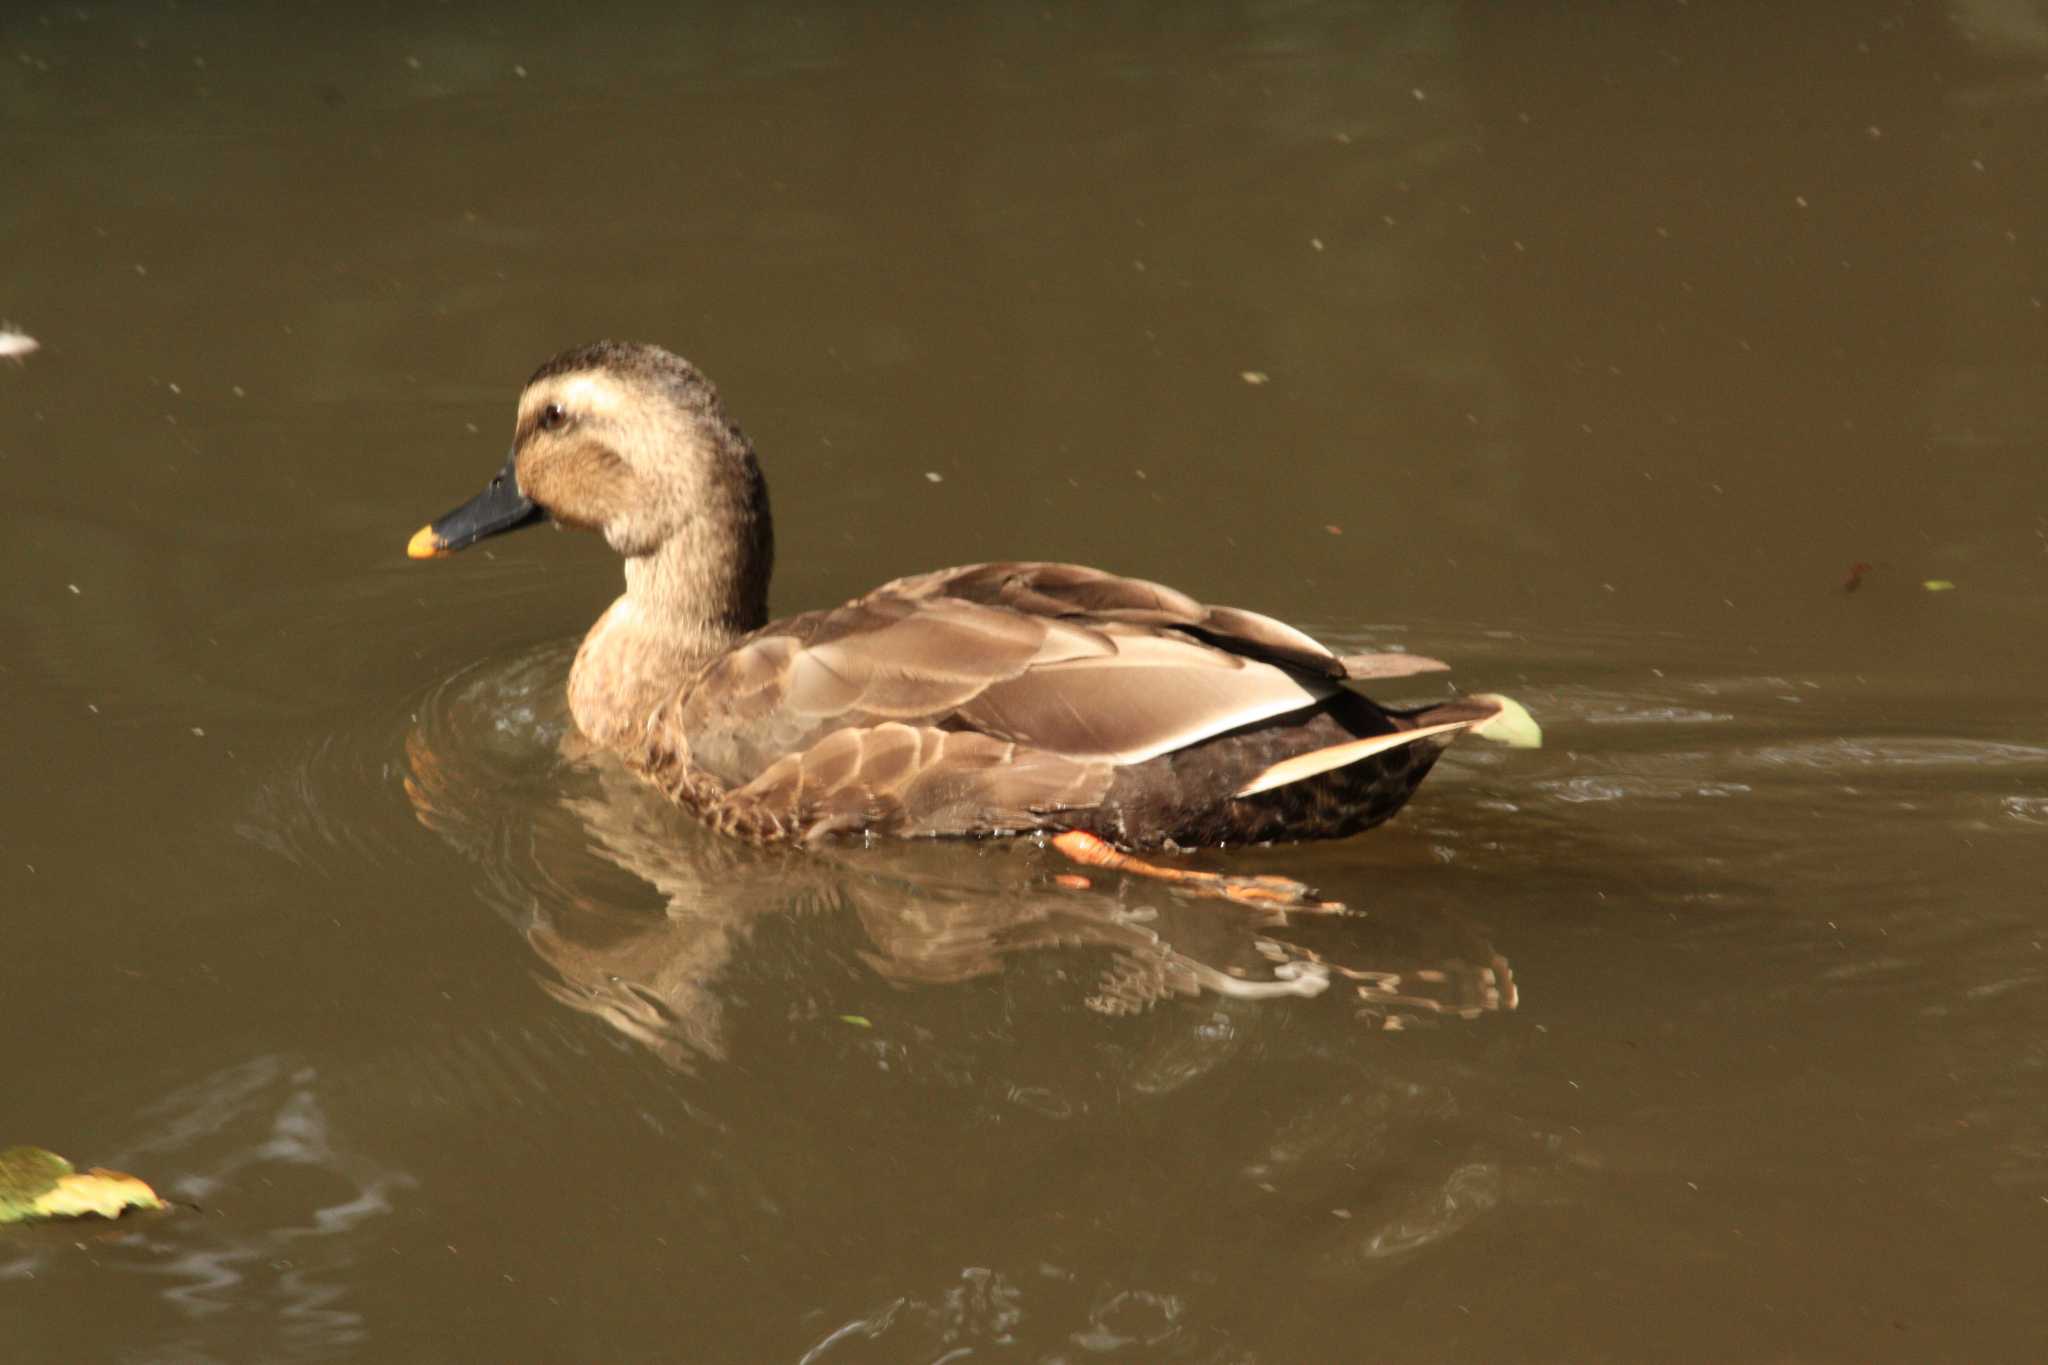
x=552 y=417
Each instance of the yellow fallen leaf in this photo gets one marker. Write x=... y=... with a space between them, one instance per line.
x=39 y=1184
x=99 y=1190
x=1938 y=585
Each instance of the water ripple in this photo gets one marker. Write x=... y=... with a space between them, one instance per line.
x=641 y=916
x=2032 y=810
x=286 y=1281
x=1855 y=753
x=986 y=1310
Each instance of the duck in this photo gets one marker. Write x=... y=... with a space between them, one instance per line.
x=995 y=699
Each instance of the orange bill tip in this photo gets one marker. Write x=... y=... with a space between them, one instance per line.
x=424 y=545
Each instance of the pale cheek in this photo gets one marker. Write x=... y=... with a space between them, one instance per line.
x=566 y=511
x=580 y=487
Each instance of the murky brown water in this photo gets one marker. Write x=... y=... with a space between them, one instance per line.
x=1598 y=346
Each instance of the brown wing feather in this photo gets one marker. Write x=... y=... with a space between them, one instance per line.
x=1058 y=660
x=1364 y=667
x=900 y=778
x=1156 y=693
x=1075 y=589
x=1067 y=590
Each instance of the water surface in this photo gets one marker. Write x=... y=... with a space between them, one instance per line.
x=1589 y=350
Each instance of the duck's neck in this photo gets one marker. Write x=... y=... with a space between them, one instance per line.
x=685 y=603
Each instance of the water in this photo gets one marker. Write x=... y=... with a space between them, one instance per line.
x=1588 y=352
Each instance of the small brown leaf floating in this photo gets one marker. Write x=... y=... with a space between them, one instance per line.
x=1855 y=578
x=35 y=1184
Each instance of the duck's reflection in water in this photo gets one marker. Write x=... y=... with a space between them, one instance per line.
x=494 y=767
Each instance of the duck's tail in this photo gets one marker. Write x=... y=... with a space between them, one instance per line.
x=1486 y=714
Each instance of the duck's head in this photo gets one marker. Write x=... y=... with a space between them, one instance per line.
x=628 y=440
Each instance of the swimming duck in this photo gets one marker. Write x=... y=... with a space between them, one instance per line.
x=991 y=699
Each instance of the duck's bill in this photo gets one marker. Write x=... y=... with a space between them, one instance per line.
x=500 y=507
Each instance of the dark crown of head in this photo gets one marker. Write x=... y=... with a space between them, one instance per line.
x=631 y=360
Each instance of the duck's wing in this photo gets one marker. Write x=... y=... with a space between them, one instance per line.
x=1054 y=659
x=1075 y=591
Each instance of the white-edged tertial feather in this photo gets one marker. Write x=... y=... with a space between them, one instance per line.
x=1509 y=724
x=1340 y=756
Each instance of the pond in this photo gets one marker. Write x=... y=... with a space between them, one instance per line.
x=1680 y=371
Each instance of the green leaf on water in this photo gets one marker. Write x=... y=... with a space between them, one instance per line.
x=1512 y=725
x=38 y=1184
x=857 y=1020
x=1938 y=585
